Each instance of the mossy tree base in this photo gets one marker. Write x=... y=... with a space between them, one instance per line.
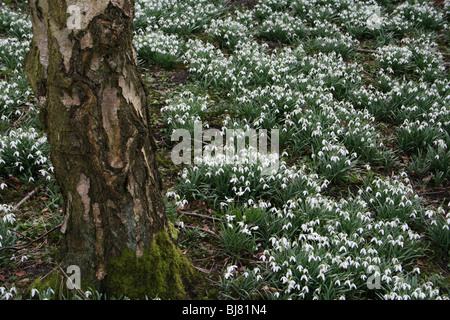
x=162 y=272
x=56 y=280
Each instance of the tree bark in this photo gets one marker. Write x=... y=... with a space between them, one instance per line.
x=94 y=111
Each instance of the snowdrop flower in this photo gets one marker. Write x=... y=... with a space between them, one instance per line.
x=230 y=270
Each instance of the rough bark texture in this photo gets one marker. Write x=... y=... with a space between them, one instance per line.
x=94 y=111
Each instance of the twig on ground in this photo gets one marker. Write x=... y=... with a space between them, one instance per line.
x=26 y=198
x=17 y=248
x=73 y=284
x=366 y=50
x=199 y=215
x=202 y=270
x=434 y=192
x=19 y=233
x=197 y=228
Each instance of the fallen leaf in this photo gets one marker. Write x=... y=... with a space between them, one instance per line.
x=23 y=282
x=20 y=273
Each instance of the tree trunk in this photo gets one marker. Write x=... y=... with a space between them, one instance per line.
x=82 y=68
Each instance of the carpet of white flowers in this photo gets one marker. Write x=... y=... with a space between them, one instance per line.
x=360 y=94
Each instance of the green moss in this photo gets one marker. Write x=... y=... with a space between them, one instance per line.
x=173 y=231
x=161 y=272
x=52 y=280
x=57 y=281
